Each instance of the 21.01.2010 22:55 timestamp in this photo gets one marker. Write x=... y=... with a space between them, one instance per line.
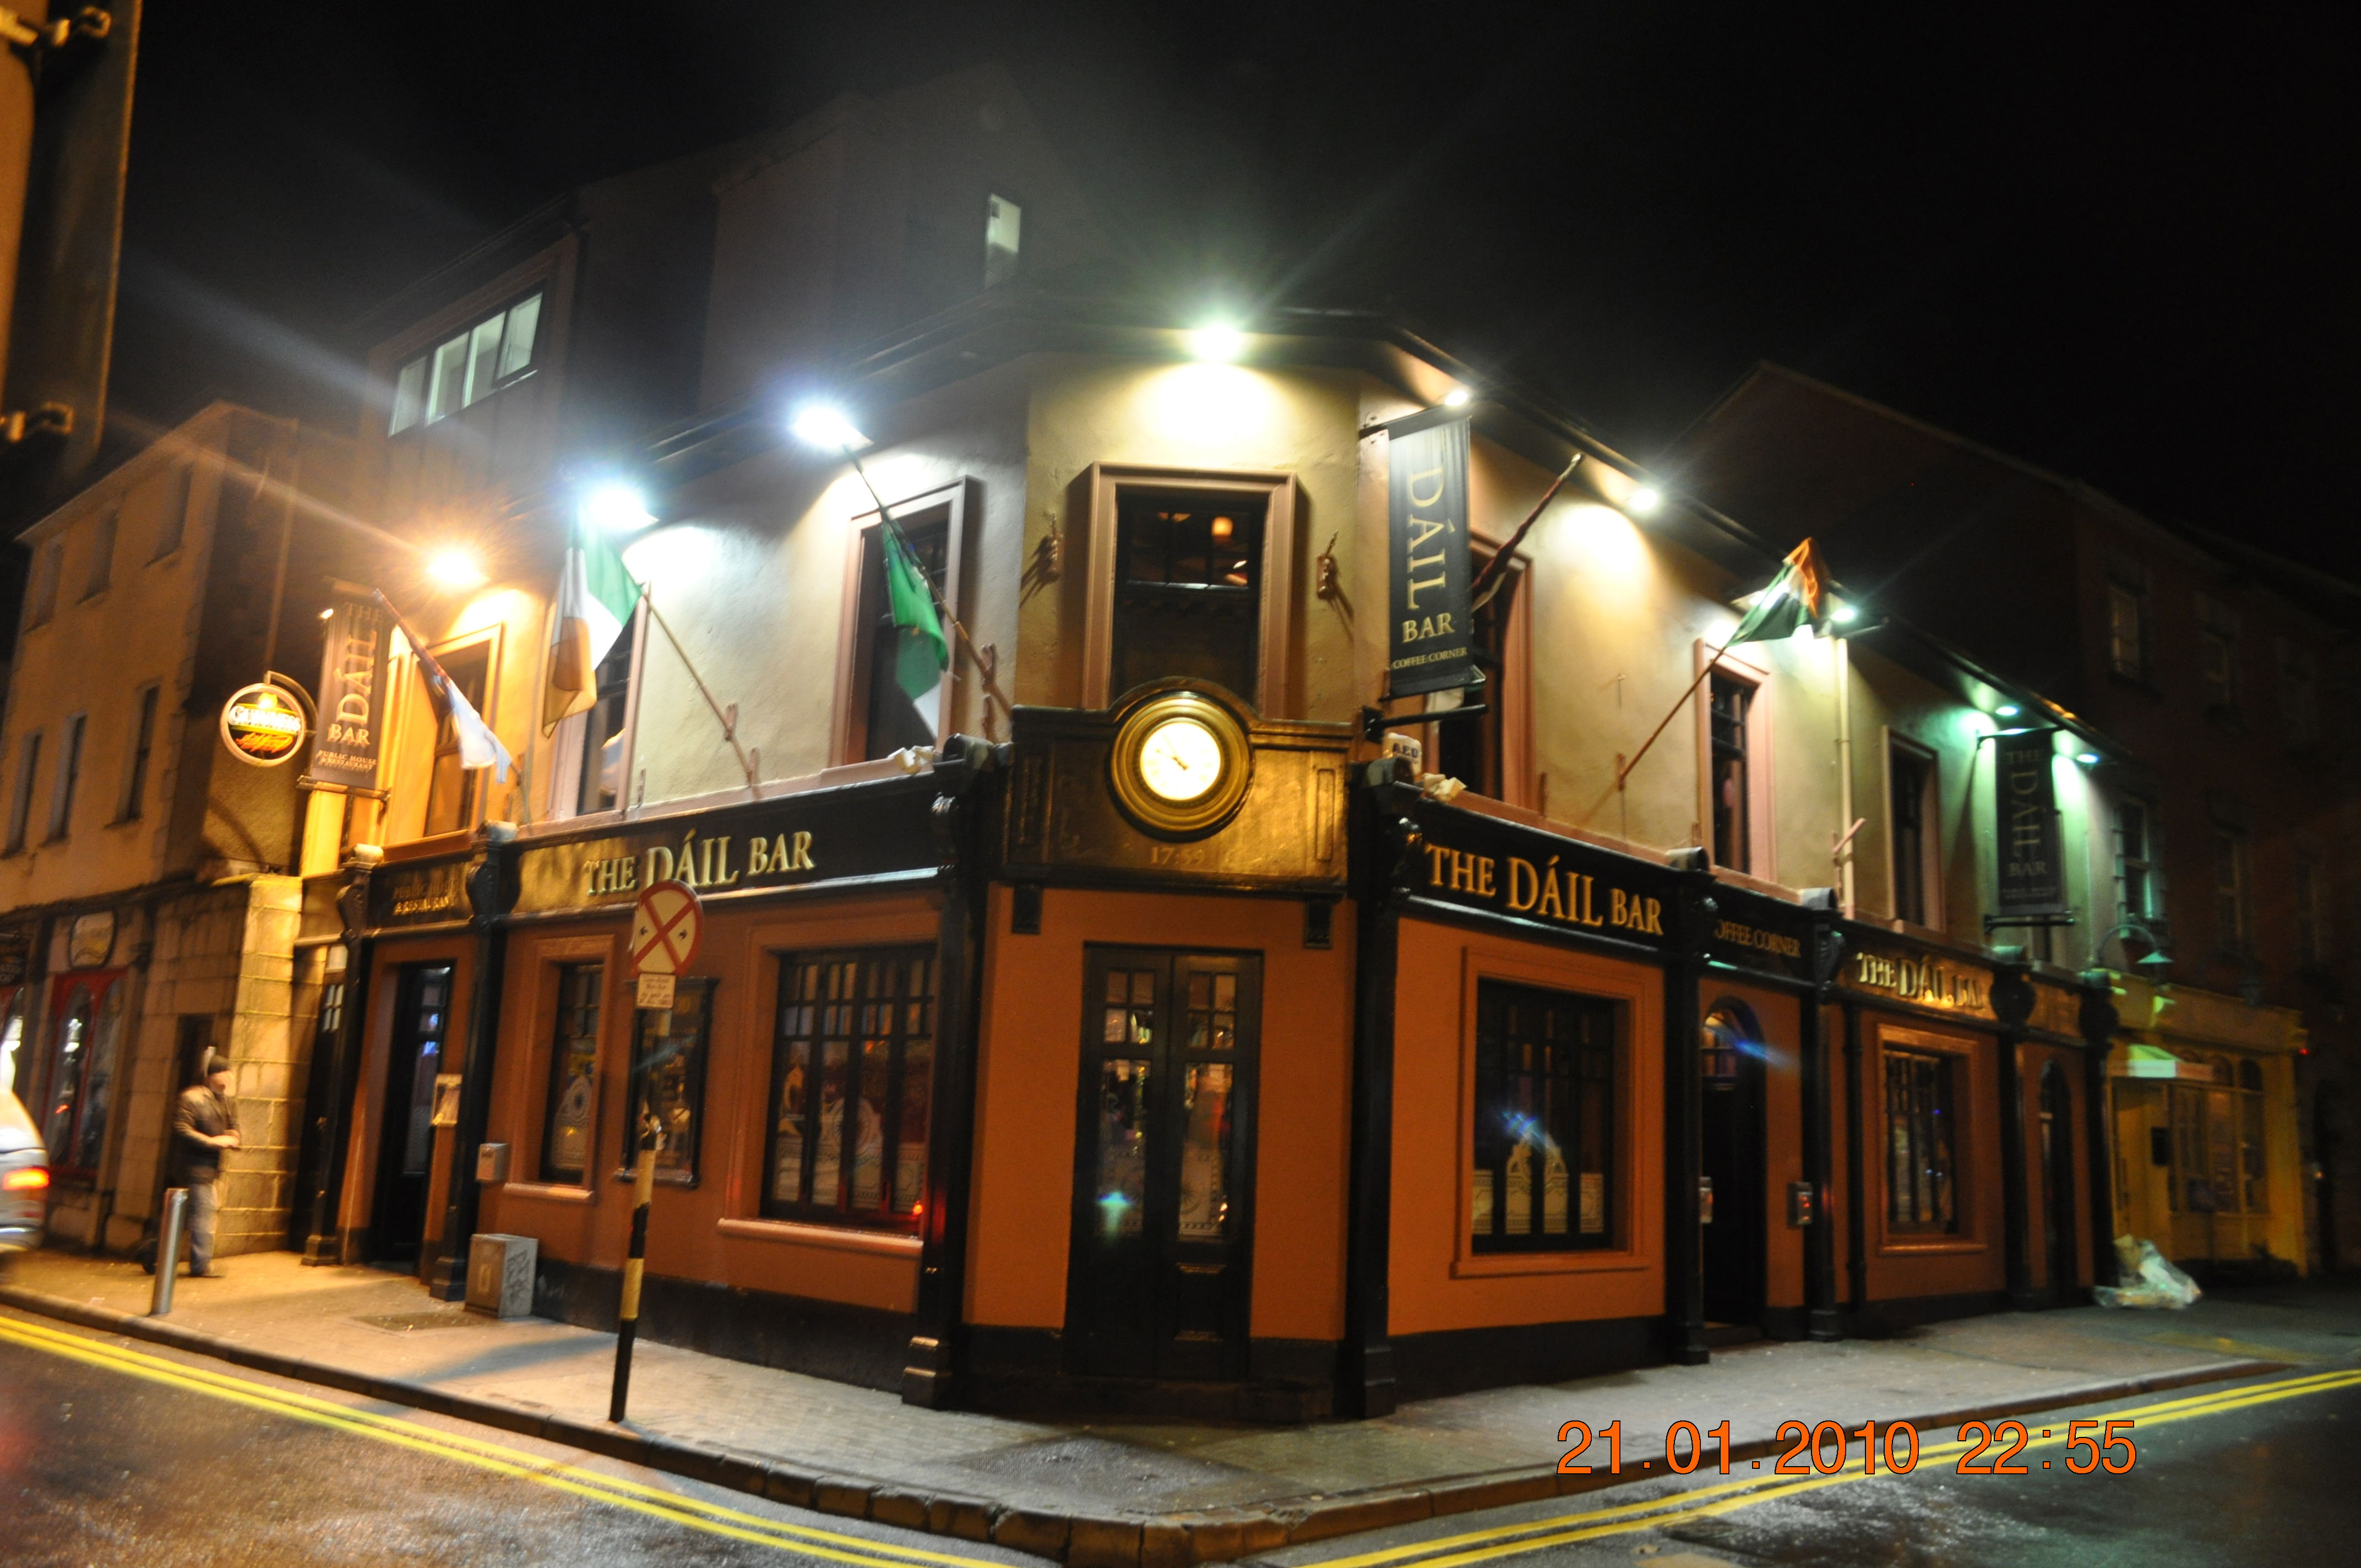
x=1825 y=1448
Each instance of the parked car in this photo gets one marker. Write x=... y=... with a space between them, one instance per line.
x=24 y=1179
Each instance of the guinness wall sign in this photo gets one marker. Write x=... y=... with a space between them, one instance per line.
x=261 y=725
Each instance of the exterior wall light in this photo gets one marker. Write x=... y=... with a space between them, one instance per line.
x=2088 y=759
x=826 y=426
x=1217 y=343
x=1457 y=397
x=617 y=507
x=1644 y=501
x=456 y=569
x=2006 y=711
x=1844 y=614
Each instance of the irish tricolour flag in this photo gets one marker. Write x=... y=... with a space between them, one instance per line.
x=596 y=595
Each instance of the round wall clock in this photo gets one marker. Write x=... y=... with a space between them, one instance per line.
x=1182 y=763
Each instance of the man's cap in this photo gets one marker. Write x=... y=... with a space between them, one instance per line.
x=216 y=1061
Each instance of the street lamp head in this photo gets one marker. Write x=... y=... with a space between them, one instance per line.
x=456 y=569
x=1217 y=341
x=617 y=507
x=824 y=425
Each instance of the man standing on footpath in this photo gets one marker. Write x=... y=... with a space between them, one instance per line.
x=206 y=1124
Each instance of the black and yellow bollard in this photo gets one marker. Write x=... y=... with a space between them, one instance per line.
x=643 y=1187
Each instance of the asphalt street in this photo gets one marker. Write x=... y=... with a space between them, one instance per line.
x=2260 y=1472
x=115 y=1454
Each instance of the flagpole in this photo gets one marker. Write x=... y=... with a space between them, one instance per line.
x=1625 y=772
x=942 y=606
x=1480 y=591
x=729 y=724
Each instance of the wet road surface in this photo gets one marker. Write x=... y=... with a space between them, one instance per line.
x=113 y=1453
x=2263 y=1472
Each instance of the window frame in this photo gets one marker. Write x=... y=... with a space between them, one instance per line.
x=549 y=1172
x=1275 y=695
x=1760 y=836
x=131 y=802
x=1928 y=847
x=887 y=1216
x=98 y=572
x=2311 y=904
x=410 y=685
x=1964 y=1083
x=2298 y=697
x=697 y=1058
x=423 y=403
x=570 y=747
x=848 y=720
x=1500 y=1241
x=43 y=582
x=2126 y=577
x=73 y=739
x=20 y=803
x=2233 y=850
x=996 y=271
x=2219 y=626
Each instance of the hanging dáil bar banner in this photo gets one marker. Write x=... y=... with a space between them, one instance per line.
x=1428 y=635
x=2025 y=824
x=352 y=692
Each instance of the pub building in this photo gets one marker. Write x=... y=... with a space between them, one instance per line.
x=1146 y=1032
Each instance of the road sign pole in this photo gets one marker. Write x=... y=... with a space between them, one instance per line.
x=643 y=1187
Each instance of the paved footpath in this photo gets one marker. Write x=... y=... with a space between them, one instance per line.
x=1153 y=1494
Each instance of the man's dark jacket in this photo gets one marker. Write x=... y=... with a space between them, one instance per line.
x=202 y=1113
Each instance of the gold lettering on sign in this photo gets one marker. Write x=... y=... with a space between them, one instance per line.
x=1570 y=898
x=1740 y=935
x=1930 y=982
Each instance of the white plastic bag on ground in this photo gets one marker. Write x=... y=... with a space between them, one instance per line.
x=2148 y=1280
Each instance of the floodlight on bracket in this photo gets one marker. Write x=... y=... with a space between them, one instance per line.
x=89 y=25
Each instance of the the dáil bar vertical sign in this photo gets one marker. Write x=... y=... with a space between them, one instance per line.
x=351 y=693
x=1428 y=643
x=2025 y=823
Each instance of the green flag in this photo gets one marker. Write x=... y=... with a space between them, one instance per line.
x=924 y=653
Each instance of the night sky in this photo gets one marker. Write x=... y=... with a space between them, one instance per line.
x=2105 y=245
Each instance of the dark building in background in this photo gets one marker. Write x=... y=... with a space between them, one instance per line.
x=2219 y=668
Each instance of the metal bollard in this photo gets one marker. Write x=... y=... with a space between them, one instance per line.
x=168 y=1249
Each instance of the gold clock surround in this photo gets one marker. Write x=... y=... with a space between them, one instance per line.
x=1201 y=814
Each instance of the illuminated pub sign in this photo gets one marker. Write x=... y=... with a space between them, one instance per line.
x=859 y=832
x=352 y=692
x=1500 y=869
x=1748 y=931
x=1922 y=980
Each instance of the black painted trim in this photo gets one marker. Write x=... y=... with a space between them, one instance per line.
x=862 y=1346
x=1856 y=1178
x=1457 y=1361
x=1683 y=1320
x=491 y=888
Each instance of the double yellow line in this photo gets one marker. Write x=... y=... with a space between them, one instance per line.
x=1727 y=1496
x=672 y=1507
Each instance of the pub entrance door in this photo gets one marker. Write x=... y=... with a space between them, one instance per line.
x=1731 y=1083
x=421 y=1008
x=1158 y=1282
x=2057 y=1183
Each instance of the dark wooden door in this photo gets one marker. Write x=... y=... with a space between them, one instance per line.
x=2058 y=1180
x=421 y=1008
x=1158 y=1278
x=1731 y=1084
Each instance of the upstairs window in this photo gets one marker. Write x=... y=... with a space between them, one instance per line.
x=1472 y=749
x=143 y=747
x=466 y=369
x=28 y=773
x=2140 y=880
x=1188 y=593
x=41 y=596
x=2217 y=657
x=1004 y=223
x=2311 y=911
x=2298 y=697
x=1731 y=699
x=102 y=555
x=2126 y=617
x=453 y=793
x=62 y=796
x=601 y=784
x=900 y=697
x=2230 y=891
x=1910 y=777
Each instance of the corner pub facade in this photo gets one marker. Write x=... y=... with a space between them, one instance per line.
x=1017 y=1071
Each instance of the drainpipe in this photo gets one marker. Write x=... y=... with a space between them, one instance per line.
x=1825 y=1320
x=1685 y=1117
x=1844 y=774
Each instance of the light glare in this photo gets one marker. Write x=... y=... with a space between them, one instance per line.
x=617 y=507
x=1844 y=614
x=2008 y=710
x=1217 y=343
x=456 y=569
x=821 y=425
x=2088 y=759
x=1456 y=398
x=1644 y=500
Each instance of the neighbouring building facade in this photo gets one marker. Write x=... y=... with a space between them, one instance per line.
x=1154 y=1015
x=2222 y=846
x=149 y=878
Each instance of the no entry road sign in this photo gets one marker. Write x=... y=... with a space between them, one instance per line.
x=666 y=924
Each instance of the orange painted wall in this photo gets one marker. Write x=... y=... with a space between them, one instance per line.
x=1780 y=1017
x=359 y=1197
x=713 y=1231
x=1031 y=1060
x=1436 y=1281
x=1903 y=1264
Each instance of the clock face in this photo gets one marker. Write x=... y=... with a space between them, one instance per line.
x=1180 y=761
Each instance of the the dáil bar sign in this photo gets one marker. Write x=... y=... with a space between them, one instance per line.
x=260 y=724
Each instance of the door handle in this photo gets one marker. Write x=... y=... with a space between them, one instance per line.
x=1201 y=1267
x=1705 y=1200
